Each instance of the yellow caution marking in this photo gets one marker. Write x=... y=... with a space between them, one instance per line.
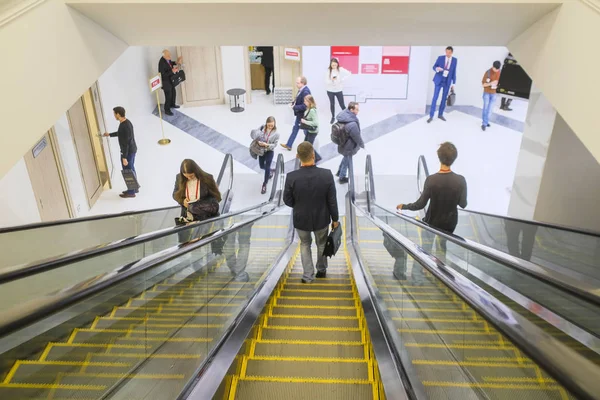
x=310 y=342
x=140 y=355
x=75 y=363
x=488 y=385
x=95 y=345
x=303 y=380
x=129 y=376
x=457 y=346
x=312 y=316
x=471 y=364
x=119 y=330
x=442 y=310
x=312 y=328
x=315 y=359
x=453 y=320
x=315 y=298
x=315 y=307
x=444 y=332
x=174 y=340
x=318 y=291
x=51 y=386
x=516 y=379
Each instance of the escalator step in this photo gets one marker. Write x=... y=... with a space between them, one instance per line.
x=308 y=335
x=309 y=350
x=273 y=390
x=349 y=311
x=308 y=320
x=318 y=293
x=308 y=369
x=494 y=391
x=314 y=301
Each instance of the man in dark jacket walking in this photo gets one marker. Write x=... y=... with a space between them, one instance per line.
x=299 y=108
x=266 y=60
x=167 y=69
x=310 y=191
x=350 y=147
x=126 y=143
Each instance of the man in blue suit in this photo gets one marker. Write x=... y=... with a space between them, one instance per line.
x=444 y=79
x=299 y=108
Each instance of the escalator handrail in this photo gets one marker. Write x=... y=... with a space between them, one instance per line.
x=14 y=319
x=581 y=231
x=563 y=363
x=582 y=289
x=22 y=271
x=227 y=161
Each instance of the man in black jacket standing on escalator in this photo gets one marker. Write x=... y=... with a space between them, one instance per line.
x=311 y=192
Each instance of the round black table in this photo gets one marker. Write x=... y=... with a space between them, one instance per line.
x=236 y=100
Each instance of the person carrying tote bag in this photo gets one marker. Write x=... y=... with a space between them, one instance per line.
x=310 y=123
x=264 y=141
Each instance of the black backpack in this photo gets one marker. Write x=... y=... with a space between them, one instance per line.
x=339 y=135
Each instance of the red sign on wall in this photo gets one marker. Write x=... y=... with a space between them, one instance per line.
x=348 y=57
x=394 y=65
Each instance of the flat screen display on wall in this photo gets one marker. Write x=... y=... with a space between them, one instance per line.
x=514 y=81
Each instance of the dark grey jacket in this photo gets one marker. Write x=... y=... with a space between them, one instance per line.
x=352 y=126
x=311 y=192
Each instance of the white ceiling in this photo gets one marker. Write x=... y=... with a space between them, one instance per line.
x=162 y=23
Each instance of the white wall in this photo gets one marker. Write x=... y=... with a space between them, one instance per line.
x=473 y=61
x=59 y=54
x=125 y=83
x=68 y=153
x=315 y=60
x=17 y=201
x=234 y=71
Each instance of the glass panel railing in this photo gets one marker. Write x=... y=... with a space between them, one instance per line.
x=23 y=292
x=452 y=350
x=567 y=313
x=146 y=336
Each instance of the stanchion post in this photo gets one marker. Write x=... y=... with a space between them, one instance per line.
x=155 y=84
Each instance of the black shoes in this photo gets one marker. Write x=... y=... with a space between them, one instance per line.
x=321 y=274
x=332 y=121
x=429 y=120
x=127 y=195
x=483 y=127
x=169 y=113
x=268 y=92
x=305 y=281
x=175 y=106
x=343 y=180
x=264 y=189
x=337 y=173
x=442 y=118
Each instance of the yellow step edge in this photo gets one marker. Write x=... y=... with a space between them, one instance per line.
x=51 y=386
x=315 y=298
x=75 y=363
x=472 y=364
x=452 y=320
x=310 y=342
x=295 y=316
x=458 y=346
x=158 y=356
x=445 y=332
x=116 y=346
x=315 y=307
x=127 y=376
x=311 y=328
x=499 y=379
x=490 y=385
x=309 y=359
x=304 y=380
x=100 y=330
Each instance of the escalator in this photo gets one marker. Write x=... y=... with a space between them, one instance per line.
x=59 y=238
x=226 y=317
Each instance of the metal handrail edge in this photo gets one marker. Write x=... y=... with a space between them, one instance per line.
x=578 y=288
x=65 y=298
x=107 y=216
x=560 y=361
x=581 y=231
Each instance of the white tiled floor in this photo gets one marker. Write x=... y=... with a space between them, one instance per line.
x=487 y=159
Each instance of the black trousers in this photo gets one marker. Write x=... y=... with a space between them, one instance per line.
x=170 y=96
x=340 y=99
x=268 y=73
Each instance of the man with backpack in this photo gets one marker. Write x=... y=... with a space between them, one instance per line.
x=346 y=134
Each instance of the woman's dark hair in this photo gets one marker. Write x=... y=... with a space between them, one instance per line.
x=447 y=153
x=333 y=60
x=190 y=167
x=271 y=119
